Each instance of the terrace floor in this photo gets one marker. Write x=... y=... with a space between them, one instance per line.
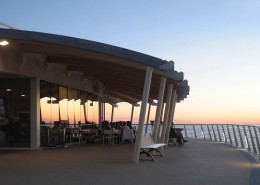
x=199 y=162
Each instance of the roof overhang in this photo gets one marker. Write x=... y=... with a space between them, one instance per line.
x=118 y=72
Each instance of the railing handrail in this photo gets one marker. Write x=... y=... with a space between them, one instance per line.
x=252 y=125
x=238 y=135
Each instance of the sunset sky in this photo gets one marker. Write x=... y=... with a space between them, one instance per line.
x=214 y=42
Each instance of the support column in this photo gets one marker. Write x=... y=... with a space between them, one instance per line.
x=160 y=124
x=158 y=114
x=148 y=116
x=85 y=114
x=112 y=113
x=171 y=114
x=35 y=113
x=166 y=113
x=99 y=111
x=146 y=90
x=132 y=114
x=104 y=111
x=163 y=105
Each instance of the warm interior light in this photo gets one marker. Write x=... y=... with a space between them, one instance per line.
x=155 y=101
x=22 y=94
x=4 y=43
x=8 y=90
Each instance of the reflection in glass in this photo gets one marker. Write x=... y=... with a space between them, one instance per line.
x=64 y=103
x=14 y=112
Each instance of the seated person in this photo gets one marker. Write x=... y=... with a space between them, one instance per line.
x=176 y=133
x=128 y=135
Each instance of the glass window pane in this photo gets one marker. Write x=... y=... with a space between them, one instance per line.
x=14 y=112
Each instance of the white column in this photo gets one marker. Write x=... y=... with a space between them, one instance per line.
x=148 y=116
x=161 y=120
x=174 y=104
x=35 y=113
x=112 y=113
x=104 y=111
x=163 y=105
x=166 y=114
x=132 y=113
x=85 y=115
x=171 y=114
x=146 y=90
x=159 y=109
x=99 y=112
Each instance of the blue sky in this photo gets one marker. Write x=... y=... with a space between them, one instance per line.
x=214 y=42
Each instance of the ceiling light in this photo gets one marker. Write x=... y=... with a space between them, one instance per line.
x=155 y=101
x=4 y=43
x=8 y=90
x=22 y=94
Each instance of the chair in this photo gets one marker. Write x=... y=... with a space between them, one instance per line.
x=118 y=136
x=53 y=137
x=44 y=135
x=175 y=137
x=128 y=135
x=86 y=134
x=75 y=134
x=172 y=137
x=95 y=135
x=108 y=134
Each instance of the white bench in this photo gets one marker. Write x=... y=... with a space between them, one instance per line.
x=148 y=146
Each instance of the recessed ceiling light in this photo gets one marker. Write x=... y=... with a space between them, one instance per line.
x=3 y=43
x=8 y=90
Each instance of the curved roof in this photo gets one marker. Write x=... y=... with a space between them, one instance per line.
x=120 y=71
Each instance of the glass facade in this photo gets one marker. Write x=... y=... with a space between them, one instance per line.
x=14 y=111
x=63 y=108
x=58 y=104
x=63 y=103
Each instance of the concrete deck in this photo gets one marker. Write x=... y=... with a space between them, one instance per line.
x=199 y=162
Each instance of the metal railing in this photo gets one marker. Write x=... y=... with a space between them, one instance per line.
x=241 y=136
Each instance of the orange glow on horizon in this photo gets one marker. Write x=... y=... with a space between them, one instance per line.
x=221 y=118
x=74 y=112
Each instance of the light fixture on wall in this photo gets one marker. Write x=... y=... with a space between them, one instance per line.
x=3 y=43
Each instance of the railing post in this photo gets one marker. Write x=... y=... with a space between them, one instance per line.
x=224 y=133
x=229 y=135
x=214 y=133
x=220 y=139
x=194 y=130
x=203 y=135
x=210 y=138
x=258 y=138
x=185 y=131
x=235 y=136
x=242 y=144
x=252 y=140
x=257 y=141
x=248 y=145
